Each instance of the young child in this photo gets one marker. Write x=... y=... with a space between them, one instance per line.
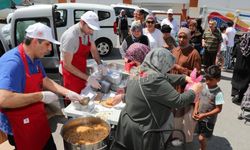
x=170 y=41
x=209 y=105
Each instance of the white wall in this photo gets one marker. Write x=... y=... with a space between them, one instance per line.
x=161 y=1
x=106 y=2
x=233 y=4
x=176 y=5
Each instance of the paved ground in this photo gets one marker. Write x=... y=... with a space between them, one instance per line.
x=229 y=134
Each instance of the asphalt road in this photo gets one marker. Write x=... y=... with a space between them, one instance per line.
x=229 y=133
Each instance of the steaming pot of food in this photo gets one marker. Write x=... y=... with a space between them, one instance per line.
x=87 y=133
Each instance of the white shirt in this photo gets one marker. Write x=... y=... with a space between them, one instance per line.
x=224 y=43
x=155 y=38
x=230 y=31
x=173 y=24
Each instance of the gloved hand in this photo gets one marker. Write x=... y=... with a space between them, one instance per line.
x=93 y=82
x=49 y=97
x=73 y=96
x=102 y=69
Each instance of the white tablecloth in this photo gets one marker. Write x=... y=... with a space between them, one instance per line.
x=94 y=109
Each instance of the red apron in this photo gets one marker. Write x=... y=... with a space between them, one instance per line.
x=29 y=124
x=79 y=60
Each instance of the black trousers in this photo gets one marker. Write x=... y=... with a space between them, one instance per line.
x=49 y=146
x=209 y=58
x=239 y=92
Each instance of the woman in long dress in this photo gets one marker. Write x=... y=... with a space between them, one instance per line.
x=187 y=58
x=150 y=98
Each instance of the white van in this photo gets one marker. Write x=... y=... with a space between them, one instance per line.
x=69 y=14
x=66 y=15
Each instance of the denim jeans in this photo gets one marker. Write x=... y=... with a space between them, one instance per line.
x=228 y=57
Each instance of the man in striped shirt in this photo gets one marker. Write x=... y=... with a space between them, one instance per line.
x=211 y=41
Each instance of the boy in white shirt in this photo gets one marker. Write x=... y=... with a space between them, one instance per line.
x=223 y=49
x=230 y=32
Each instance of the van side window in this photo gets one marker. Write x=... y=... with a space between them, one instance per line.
x=78 y=14
x=61 y=18
x=129 y=11
x=102 y=15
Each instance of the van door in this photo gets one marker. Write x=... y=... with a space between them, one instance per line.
x=26 y=16
x=50 y=61
x=62 y=22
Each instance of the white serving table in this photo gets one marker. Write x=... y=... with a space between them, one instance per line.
x=111 y=115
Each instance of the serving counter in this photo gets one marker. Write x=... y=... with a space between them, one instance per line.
x=95 y=108
x=113 y=82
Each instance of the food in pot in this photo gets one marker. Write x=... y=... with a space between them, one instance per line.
x=87 y=134
x=108 y=102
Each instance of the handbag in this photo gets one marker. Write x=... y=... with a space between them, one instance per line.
x=150 y=108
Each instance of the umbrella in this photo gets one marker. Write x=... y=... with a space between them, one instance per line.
x=9 y=3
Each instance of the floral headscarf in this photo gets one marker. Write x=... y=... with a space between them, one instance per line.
x=159 y=60
x=137 y=52
x=245 y=44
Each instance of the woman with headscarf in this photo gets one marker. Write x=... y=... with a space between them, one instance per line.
x=135 y=37
x=154 y=35
x=133 y=58
x=149 y=99
x=187 y=58
x=241 y=71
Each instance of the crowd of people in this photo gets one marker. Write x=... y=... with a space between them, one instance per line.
x=208 y=52
x=159 y=62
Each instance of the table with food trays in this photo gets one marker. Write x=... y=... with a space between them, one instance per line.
x=112 y=83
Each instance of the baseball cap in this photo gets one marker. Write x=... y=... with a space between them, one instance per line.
x=91 y=19
x=40 y=31
x=170 y=11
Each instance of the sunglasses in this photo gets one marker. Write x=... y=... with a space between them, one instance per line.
x=150 y=22
x=183 y=37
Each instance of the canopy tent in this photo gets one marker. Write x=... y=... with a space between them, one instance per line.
x=9 y=3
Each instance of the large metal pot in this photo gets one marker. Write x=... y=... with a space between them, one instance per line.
x=85 y=121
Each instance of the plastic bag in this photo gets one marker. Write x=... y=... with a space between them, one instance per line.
x=195 y=80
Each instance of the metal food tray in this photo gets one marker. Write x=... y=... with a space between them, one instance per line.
x=76 y=110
